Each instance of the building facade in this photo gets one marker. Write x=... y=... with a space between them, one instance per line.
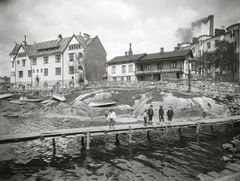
x=64 y=62
x=150 y=67
x=207 y=43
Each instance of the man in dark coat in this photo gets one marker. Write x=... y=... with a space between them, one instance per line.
x=150 y=113
x=161 y=114
x=170 y=114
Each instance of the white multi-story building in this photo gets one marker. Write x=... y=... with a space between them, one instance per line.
x=150 y=67
x=62 y=62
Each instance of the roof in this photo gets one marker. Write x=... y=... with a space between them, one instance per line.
x=49 y=47
x=126 y=58
x=15 y=49
x=167 y=55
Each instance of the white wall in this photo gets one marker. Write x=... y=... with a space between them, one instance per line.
x=119 y=73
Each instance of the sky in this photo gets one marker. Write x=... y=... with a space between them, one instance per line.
x=147 y=24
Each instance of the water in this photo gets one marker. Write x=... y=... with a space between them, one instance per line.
x=158 y=158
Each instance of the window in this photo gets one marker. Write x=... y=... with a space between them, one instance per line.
x=57 y=58
x=130 y=68
x=12 y=73
x=33 y=71
x=122 y=78
x=216 y=43
x=71 y=70
x=80 y=55
x=23 y=54
x=147 y=67
x=12 y=64
x=114 y=78
x=208 y=45
x=45 y=60
x=18 y=62
x=71 y=56
x=173 y=65
x=41 y=70
x=128 y=78
x=58 y=71
x=123 y=68
x=20 y=74
x=113 y=69
x=34 y=61
x=74 y=46
x=193 y=50
x=29 y=73
x=45 y=72
x=37 y=70
x=24 y=62
x=159 y=66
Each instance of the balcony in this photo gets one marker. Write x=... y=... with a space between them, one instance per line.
x=172 y=70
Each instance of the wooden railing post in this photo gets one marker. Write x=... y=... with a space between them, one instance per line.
x=88 y=141
x=130 y=135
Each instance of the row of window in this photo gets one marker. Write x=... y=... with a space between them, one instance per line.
x=127 y=78
x=74 y=46
x=45 y=72
x=23 y=54
x=45 y=59
x=123 y=69
x=145 y=67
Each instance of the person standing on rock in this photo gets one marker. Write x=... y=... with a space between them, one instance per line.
x=170 y=113
x=112 y=117
x=161 y=114
x=150 y=113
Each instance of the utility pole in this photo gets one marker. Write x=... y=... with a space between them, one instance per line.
x=189 y=77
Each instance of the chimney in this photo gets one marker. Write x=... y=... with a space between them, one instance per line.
x=86 y=36
x=126 y=54
x=211 y=27
x=161 y=50
x=130 y=49
x=175 y=48
x=25 y=40
x=59 y=37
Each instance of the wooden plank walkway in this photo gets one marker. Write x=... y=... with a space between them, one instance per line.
x=123 y=128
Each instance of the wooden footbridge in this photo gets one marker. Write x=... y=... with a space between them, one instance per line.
x=87 y=133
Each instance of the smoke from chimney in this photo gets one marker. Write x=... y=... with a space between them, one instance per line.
x=184 y=34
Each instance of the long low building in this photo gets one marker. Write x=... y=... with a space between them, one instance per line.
x=63 y=62
x=159 y=66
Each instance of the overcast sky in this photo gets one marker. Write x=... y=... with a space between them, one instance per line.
x=147 y=24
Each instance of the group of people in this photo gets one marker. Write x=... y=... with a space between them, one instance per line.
x=111 y=116
x=149 y=113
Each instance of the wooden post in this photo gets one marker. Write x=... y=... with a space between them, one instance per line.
x=130 y=135
x=88 y=141
x=82 y=141
x=198 y=128
x=165 y=131
x=148 y=134
x=54 y=146
x=117 y=140
x=212 y=128
x=180 y=131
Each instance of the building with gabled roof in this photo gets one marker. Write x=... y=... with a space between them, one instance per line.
x=63 y=62
x=150 y=67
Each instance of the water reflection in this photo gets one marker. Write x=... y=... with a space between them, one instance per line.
x=157 y=157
